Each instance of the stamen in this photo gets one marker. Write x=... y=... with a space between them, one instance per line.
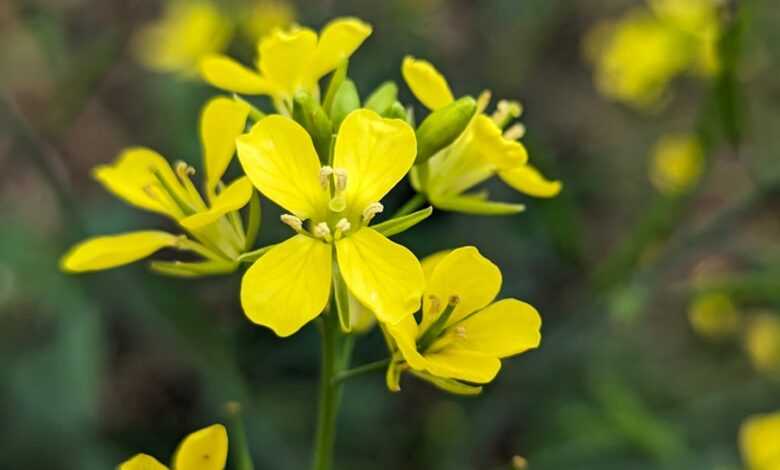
x=434 y=303
x=293 y=221
x=184 y=170
x=341 y=179
x=505 y=112
x=325 y=173
x=460 y=331
x=371 y=210
x=515 y=132
x=321 y=230
x=342 y=226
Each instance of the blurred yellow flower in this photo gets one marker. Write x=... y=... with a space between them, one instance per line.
x=266 y=15
x=759 y=440
x=289 y=61
x=331 y=208
x=638 y=55
x=762 y=341
x=714 y=316
x=143 y=178
x=488 y=146
x=186 y=32
x=462 y=334
x=205 y=449
x=677 y=163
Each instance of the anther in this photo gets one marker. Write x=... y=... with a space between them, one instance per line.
x=325 y=173
x=460 y=331
x=342 y=226
x=453 y=301
x=505 y=112
x=515 y=132
x=434 y=303
x=294 y=222
x=341 y=179
x=184 y=170
x=372 y=210
x=321 y=230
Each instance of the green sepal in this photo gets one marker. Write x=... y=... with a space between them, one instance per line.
x=254 y=217
x=475 y=204
x=336 y=80
x=345 y=101
x=393 y=374
x=254 y=113
x=341 y=300
x=397 y=111
x=308 y=113
x=448 y=385
x=443 y=126
x=383 y=98
x=192 y=269
x=252 y=256
x=397 y=225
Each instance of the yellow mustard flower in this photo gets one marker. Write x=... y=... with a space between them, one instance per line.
x=205 y=449
x=143 y=178
x=483 y=150
x=762 y=341
x=266 y=15
x=289 y=61
x=714 y=316
x=677 y=163
x=638 y=55
x=462 y=334
x=759 y=440
x=186 y=32
x=331 y=208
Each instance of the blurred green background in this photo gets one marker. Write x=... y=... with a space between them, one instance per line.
x=94 y=368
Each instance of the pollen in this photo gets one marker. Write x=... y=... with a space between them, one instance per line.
x=372 y=210
x=343 y=225
x=321 y=230
x=293 y=221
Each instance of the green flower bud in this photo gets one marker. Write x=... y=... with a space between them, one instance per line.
x=383 y=98
x=309 y=114
x=345 y=101
x=443 y=126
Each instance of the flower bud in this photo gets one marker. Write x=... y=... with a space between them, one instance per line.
x=443 y=126
x=383 y=98
x=345 y=101
x=308 y=113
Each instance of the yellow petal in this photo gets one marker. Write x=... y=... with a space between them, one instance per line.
x=225 y=73
x=289 y=285
x=404 y=333
x=503 y=329
x=111 y=251
x=430 y=262
x=759 y=440
x=279 y=157
x=464 y=273
x=376 y=152
x=528 y=180
x=205 y=449
x=131 y=177
x=142 y=462
x=232 y=198
x=463 y=365
x=489 y=145
x=427 y=83
x=383 y=275
x=338 y=41
x=286 y=58
x=223 y=120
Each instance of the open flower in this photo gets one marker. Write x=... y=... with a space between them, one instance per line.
x=759 y=440
x=463 y=334
x=330 y=210
x=143 y=178
x=289 y=61
x=205 y=449
x=187 y=32
x=489 y=145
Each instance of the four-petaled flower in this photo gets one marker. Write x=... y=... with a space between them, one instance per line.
x=331 y=208
x=462 y=334
x=205 y=449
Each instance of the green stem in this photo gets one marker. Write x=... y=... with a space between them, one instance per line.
x=360 y=370
x=336 y=351
x=239 y=447
x=411 y=205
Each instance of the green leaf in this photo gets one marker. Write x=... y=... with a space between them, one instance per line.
x=345 y=101
x=448 y=385
x=474 y=204
x=194 y=269
x=400 y=224
x=253 y=221
x=336 y=80
x=341 y=297
x=309 y=114
x=383 y=98
x=443 y=126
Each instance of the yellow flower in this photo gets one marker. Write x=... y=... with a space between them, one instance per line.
x=638 y=55
x=676 y=163
x=331 y=208
x=205 y=449
x=483 y=150
x=759 y=440
x=144 y=179
x=463 y=334
x=714 y=316
x=763 y=343
x=187 y=31
x=289 y=61
x=267 y=15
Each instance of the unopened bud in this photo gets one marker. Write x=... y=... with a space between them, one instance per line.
x=443 y=126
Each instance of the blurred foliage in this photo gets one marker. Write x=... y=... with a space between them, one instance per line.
x=96 y=368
